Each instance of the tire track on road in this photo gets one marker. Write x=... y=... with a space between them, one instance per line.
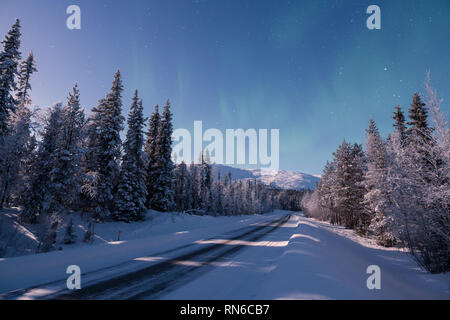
x=153 y=281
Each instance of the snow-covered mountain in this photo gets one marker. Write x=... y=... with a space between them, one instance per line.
x=283 y=179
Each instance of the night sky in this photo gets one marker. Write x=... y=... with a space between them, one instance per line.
x=309 y=68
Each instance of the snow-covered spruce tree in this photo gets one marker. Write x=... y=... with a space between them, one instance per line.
x=238 y=202
x=15 y=150
x=182 y=187
x=218 y=195
x=358 y=168
x=105 y=124
x=162 y=197
x=376 y=198
x=37 y=198
x=195 y=186
x=248 y=203
x=419 y=134
x=18 y=196
x=26 y=69
x=187 y=192
x=9 y=60
x=206 y=183
x=201 y=178
x=327 y=195
x=349 y=189
x=66 y=175
x=227 y=195
x=266 y=205
x=177 y=187
x=400 y=123
x=257 y=198
x=90 y=164
x=151 y=150
x=401 y=192
x=132 y=191
x=418 y=124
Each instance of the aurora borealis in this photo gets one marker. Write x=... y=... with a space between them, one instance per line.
x=309 y=68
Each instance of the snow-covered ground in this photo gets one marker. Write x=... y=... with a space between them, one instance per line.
x=299 y=259
x=160 y=231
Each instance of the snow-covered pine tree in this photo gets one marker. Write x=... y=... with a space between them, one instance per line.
x=208 y=181
x=418 y=115
x=218 y=195
x=177 y=187
x=15 y=150
x=107 y=123
x=181 y=187
x=18 y=195
x=399 y=123
x=248 y=204
x=132 y=191
x=187 y=189
x=195 y=186
x=227 y=195
x=239 y=199
x=349 y=190
x=205 y=183
x=9 y=60
x=420 y=138
x=66 y=175
x=358 y=168
x=162 y=197
x=202 y=190
x=376 y=199
x=256 y=198
x=186 y=196
x=326 y=190
x=37 y=199
x=151 y=150
x=264 y=201
x=90 y=163
x=26 y=69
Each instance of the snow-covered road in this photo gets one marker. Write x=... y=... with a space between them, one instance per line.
x=280 y=256
x=307 y=259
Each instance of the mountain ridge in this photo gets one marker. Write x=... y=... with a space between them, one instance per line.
x=282 y=179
